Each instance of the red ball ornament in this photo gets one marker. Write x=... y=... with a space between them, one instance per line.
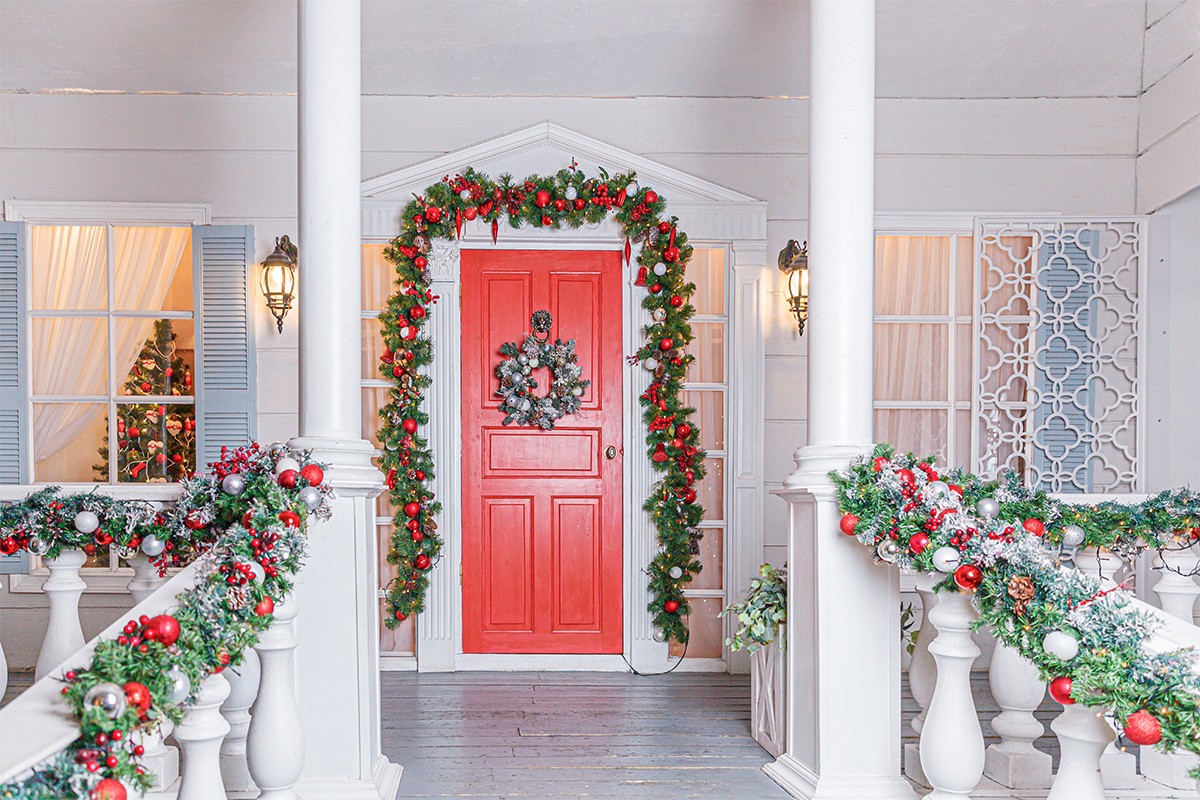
x=416 y=312
x=290 y=519
x=163 y=628
x=313 y=474
x=287 y=479
x=847 y=524
x=676 y=301
x=433 y=213
x=417 y=536
x=683 y=431
x=671 y=254
x=560 y=204
x=193 y=522
x=918 y=543
x=677 y=444
x=878 y=464
x=138 y=696
x=689 y=496
x=420 y=475
x=656 y=288
x=968 y=577
x=666 y=344
x=413 y=524
x=906 y=475
x=412 y=509
x=422 y=561
x=671 y=606
x=1142 y=728
x=8 y=545
x=541 y=199
x=471 y=213
x=264 y=607
x=580 y=203
x=651 y=197
x=409 y=425
x=956 y=489
x=420 y=262
x=1034 y=526
x=1060 y=690
x=664 y=227
x=400 y=616
x=109 y=789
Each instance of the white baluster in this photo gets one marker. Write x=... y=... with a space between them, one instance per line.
x=1083 y=734
x=951 y=739
x=1177 y=591
x=159 y=759
x=145 y=580
x=1019 y=690
x=244 y=682
x=275 y=742
x=922 y=673
x=1119 y=768
x=3 y=673
x=64 y=634
x=199 y=736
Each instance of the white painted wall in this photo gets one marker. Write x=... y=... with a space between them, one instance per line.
x=1010 y=105
x=1168 y=162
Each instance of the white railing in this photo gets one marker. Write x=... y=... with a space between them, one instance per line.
x=951 y=758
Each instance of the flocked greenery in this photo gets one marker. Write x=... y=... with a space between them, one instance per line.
x=1024 y=581
x=566 y=199
x=253 y=543
x=762 y=612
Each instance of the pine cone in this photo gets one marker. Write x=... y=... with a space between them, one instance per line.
x=1021 y=589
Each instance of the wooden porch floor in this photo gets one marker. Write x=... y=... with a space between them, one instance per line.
x=529 y=735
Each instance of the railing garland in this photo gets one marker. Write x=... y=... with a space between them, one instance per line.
x=1007 y=544
x=248 y=518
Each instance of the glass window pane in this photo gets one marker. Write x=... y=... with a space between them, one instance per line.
x=378 y=277
x=70 y=356
x=965 y=280
x=710 y=416
x=962 y=362
x=372 y=348
x=712 y=558
x=156 y=442
x=961 y=457
x=910 y=361
x=919 y=431
x=147 y=269
x=402 y=640
x=706 y=637
x=373 y=400
x=68 y=265
x=155 y=357
x=912 y=274
x=69 y=441
x=710 y=492
x=708 y=347
x=706 y=269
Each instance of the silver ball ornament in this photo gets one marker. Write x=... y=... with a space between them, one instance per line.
x=152 y=545
x=86 y=522
x=1073 y=536
x=465 y=195
x=946 y=559
x=659 y=636
x=39 y=547
x=108 y=697
x=1061 y=645
x=310 y=497
x=631 y=188
x=181 y=685
x=987 y=508
x=276 y=449
x=937 y=489
x=658 y=314
x=522 y=359
x=676 y=573
x=233 y=484
x=889 y=550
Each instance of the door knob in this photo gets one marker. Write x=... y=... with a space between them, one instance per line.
x=610 y=452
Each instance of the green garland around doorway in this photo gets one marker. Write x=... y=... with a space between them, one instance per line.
x=567 y=199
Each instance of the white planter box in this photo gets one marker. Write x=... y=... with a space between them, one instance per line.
x=768 y=693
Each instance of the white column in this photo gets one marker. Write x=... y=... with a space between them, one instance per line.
x=1082 y=733
x=275 y=752
x=922 y=673
x=951 y=739
x=199 y=736
x=1177 y=591
x=243 y=688
x=844 y=652
x=64 y=634
x=338 y=621
x=1018 y=689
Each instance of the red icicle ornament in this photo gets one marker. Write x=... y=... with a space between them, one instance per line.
x=628 y=250
x=495 y=231
x=458 y=223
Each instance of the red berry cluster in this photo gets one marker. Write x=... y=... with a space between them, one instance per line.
x=241 y=459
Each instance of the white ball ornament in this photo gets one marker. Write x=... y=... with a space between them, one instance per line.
x=286 y=463
x=631 y=189
x=659 y=314
x=257 y=572
x=987 y=508
x=660 y=269
x=1073 y=536
x=86 y=522
x=233 y=484
x=465 y=195
x=152 y=545
x=650 y=364
x=946 y=559
x=1061 y=645
x=310 y=497
x=570 y=193
x=577 y=392
x=676 y=573
x=937 y=489
x=181 y=685
x=534 y=363
x=525 y=406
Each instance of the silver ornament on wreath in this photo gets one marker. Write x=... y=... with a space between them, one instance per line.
x=108 y=698
x=181 y=685
x=310 y=497
x=86 y=522
x=1073 y=536
x=676 y=573
x=987 y=508
x=152 y=545
x=233 y=484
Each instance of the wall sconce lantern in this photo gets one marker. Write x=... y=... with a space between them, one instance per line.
x=793 y=262
x=278 y=279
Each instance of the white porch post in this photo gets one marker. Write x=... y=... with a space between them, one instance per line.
x=843 y=653
x=338 y=618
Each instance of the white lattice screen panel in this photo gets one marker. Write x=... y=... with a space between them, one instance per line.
x=1059 y=354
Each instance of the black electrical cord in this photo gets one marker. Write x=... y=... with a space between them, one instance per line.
x=656 y=674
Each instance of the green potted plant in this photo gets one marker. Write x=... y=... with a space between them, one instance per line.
x=763 y=612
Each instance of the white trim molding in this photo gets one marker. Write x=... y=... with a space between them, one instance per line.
x=100 y=212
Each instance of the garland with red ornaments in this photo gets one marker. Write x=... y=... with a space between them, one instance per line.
x=1015 y=550
x=249 y=519
x=566 y=199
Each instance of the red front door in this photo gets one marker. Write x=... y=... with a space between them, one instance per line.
x=541 y=509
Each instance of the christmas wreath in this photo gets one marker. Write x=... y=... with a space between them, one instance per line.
x=247 y=522
x=1014 y=548
x=518 y=401
x=566 y=199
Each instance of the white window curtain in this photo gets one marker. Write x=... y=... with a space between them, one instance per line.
x=69 y=272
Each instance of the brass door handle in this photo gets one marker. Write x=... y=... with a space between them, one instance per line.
x=610 y=452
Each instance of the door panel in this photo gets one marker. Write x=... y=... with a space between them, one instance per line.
x=542 y=536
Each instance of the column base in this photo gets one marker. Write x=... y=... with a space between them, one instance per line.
x=1118 y=770
x=165 y=767
x=912 y=765
x=1028 y=770
x=800 y=781
x=384 y=785
x=1169 y=769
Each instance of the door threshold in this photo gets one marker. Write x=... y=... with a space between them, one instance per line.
x=523 y=662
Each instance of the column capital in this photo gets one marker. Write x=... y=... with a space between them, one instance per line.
x=815 y=462
x=349 y=467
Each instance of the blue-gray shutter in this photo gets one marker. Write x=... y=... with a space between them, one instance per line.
x=14 y=446
x=223 y=258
